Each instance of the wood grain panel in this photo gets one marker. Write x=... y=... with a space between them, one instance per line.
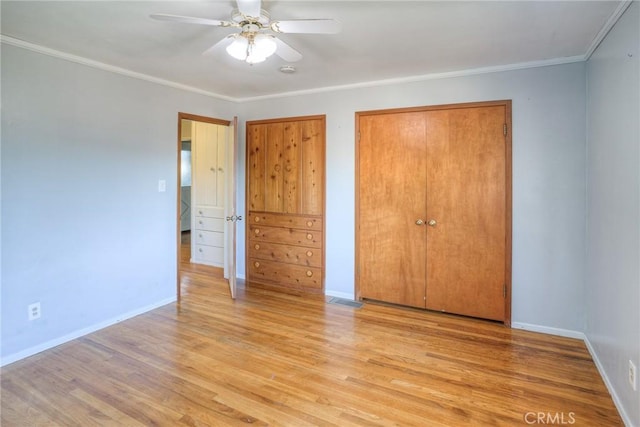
x=286 y=274
x=392 y=196
x=256 y=164
x=466 y=196
x=270 y=358
x=274 y=182
x=289 y=236
x=313 y=167
x=289 y=254
x=290 y=221
x=291 y=173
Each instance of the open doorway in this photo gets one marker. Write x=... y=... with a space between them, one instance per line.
x=185 y=191
x=205 y=177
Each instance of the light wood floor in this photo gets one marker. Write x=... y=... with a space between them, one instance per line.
x=284 y=360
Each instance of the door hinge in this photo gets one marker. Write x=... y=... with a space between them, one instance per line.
x=358 y=136
x=504 y=290
x=504 y=129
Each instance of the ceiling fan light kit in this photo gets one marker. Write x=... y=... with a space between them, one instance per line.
x=254 y=44
x=252 y=47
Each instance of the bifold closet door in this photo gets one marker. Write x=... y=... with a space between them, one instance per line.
x=466 y=197
x=392 y=198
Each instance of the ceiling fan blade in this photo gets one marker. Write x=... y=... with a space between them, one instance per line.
x=250 y=7
x=219 y=44
x=191 y=20
x=286 y=52
x=308 y=26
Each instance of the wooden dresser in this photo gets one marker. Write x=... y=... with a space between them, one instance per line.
x=285 y=201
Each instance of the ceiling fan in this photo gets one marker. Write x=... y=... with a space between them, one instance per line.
x=256 y=40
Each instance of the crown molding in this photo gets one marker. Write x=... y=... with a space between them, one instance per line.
x=622 y=7
x=424 y=77
x=106 y=67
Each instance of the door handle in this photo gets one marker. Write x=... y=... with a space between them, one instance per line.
x=420 y=222
x=432 y=223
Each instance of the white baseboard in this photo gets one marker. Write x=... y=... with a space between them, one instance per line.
x=581 y=336
x=81 y=332
x=612 y=391
x=337 y=294
x=568 y=333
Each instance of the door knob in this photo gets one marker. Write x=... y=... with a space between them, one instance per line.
x=419 y=222
x=432 y=222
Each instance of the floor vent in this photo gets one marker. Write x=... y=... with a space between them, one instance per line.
x=343 y=301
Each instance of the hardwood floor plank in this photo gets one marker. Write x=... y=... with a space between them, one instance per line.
x=269 y=358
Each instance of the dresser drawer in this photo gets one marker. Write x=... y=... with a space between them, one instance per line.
x=287 y=236
x=304 y=222
x=211 y=255
x=299 y=255
x=285 y=274
x=209 y=224
x=210 y=238
x=209 y=212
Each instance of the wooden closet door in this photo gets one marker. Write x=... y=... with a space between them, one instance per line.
x=392 y=197
x=466 y=196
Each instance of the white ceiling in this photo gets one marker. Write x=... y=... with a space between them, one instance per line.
x=380 y=40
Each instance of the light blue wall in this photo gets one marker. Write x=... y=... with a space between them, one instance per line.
x=613 y=208
x=84 y=229
x=548 y=178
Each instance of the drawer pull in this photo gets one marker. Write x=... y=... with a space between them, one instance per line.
x=256 y=264
x=199 y=249
x=309 y=236
x=257 y=231
x=257 y=219
x=200 y=235
x=200 y=212
x=309 y=223
x=200 y=222
x=257 y=247
x=309 y=273
x=309 y=253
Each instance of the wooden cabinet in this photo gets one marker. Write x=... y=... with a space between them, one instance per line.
x=285 y=201
x=434 y=208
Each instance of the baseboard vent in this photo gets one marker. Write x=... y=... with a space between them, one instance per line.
x=343 y=301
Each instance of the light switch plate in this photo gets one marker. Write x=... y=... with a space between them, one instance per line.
x=162 y=186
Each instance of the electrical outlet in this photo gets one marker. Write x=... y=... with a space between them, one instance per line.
x=34 y=311
x=633 y=378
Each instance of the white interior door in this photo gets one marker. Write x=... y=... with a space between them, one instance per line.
x=231 y=217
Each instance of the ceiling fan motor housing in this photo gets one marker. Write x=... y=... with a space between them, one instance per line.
x=261 y=21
